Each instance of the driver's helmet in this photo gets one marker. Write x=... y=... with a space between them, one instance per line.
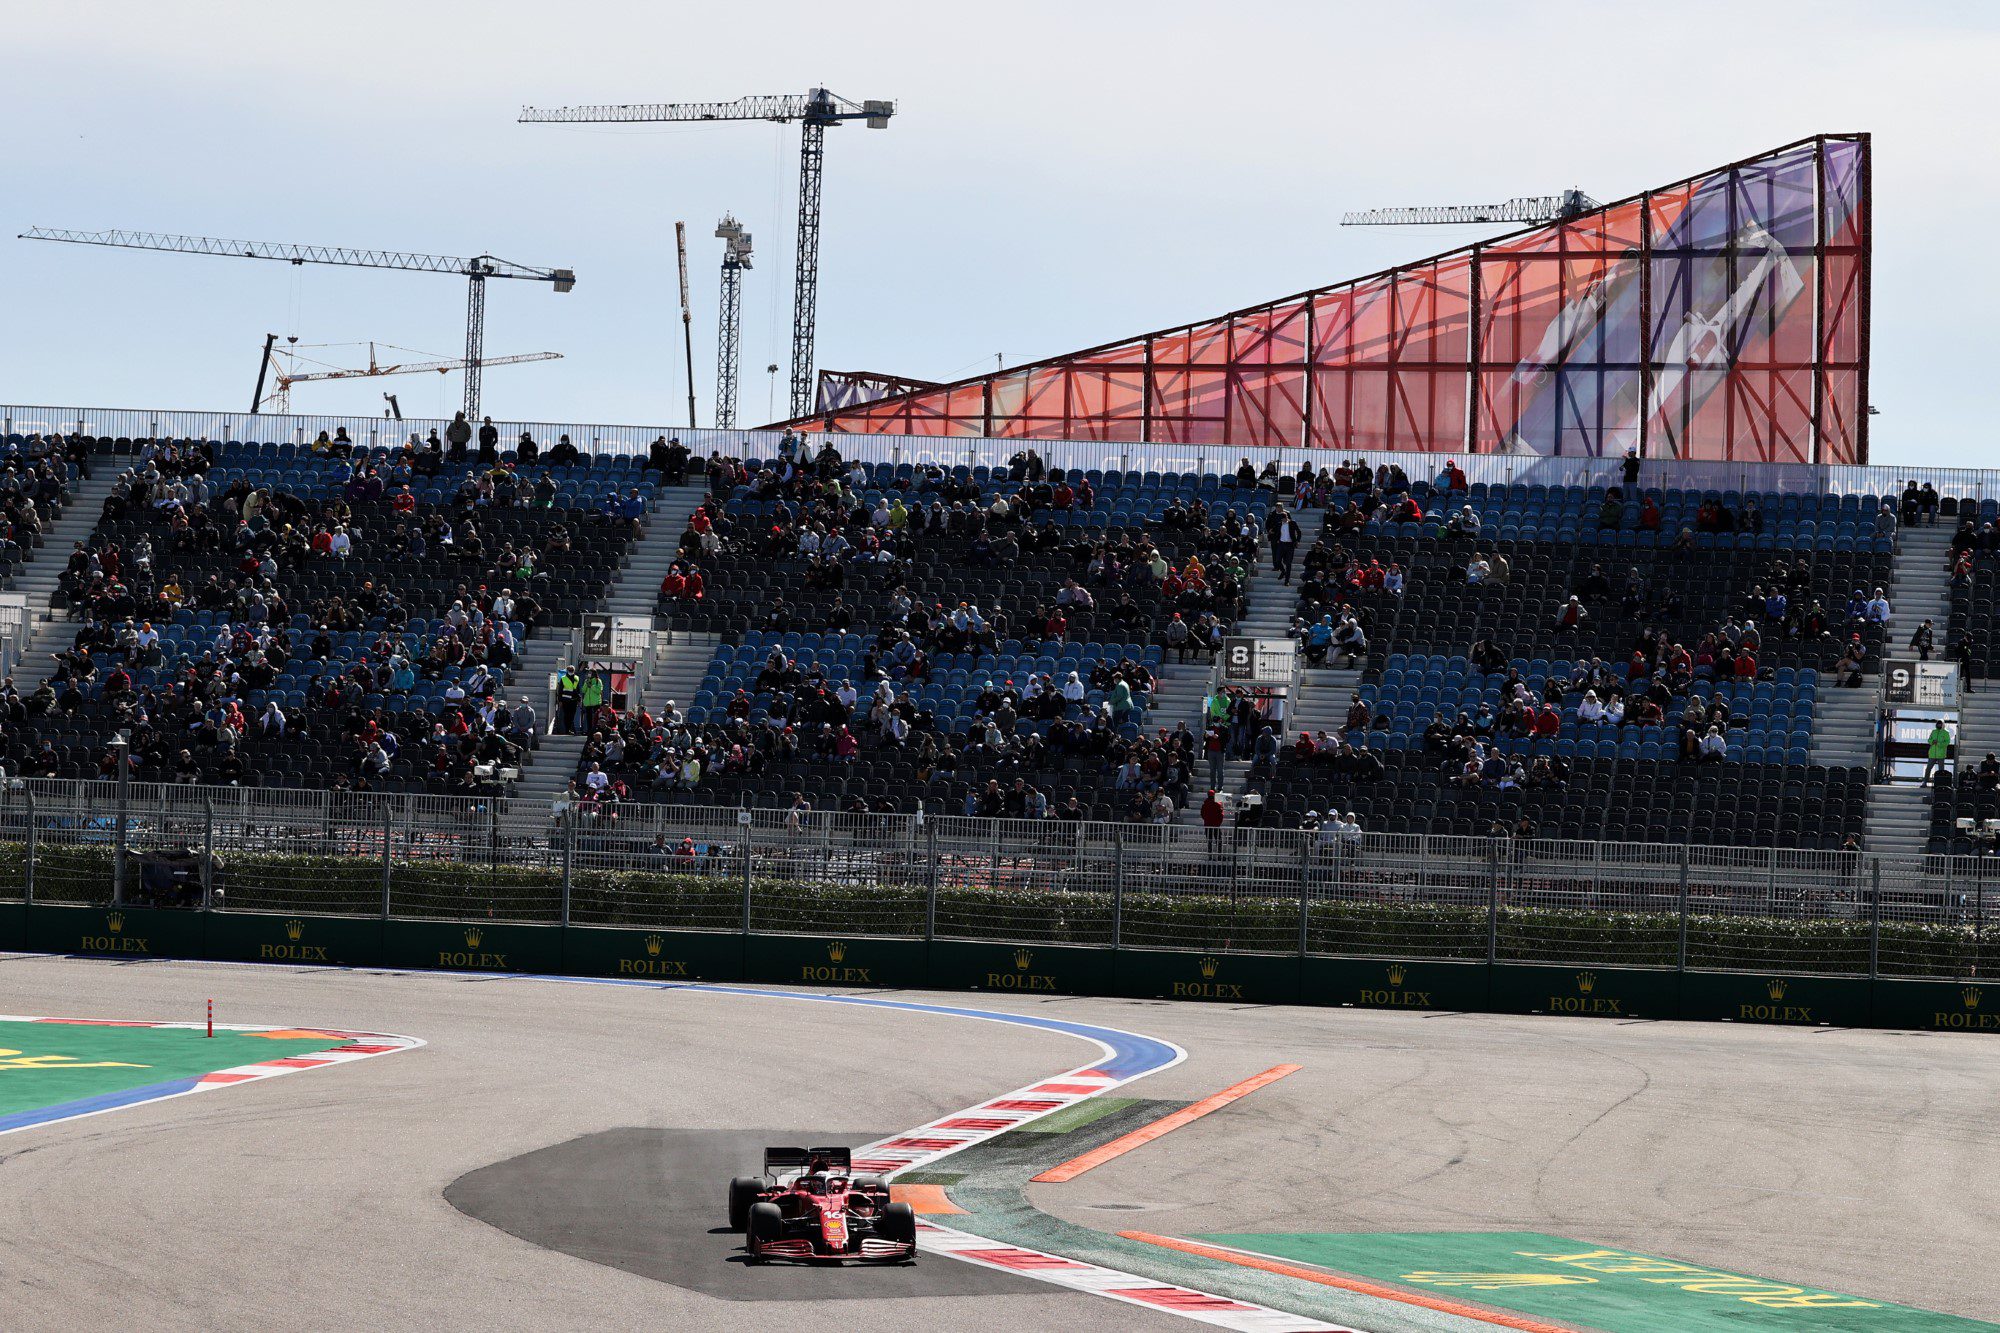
x=835 y=1184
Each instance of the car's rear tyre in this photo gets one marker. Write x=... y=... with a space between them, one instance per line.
x=743 y=1192
x=870 y=1183
x=765 y=1224
x=899 y=1223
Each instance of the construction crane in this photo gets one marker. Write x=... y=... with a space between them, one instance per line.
x=814 y=111
x=1527 y=208
x=729 y=323
x=475 y=270
x=280 y=397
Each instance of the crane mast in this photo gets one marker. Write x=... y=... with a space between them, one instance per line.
x=729 y=323
x=814 y=111
x=687 y=315
x=475 y=270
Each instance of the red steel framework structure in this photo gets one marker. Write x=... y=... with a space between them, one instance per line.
x=1724 y=316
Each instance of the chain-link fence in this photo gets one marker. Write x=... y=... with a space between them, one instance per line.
x=1246 y=890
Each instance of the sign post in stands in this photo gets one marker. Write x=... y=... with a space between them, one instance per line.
x=1268 y=669
x=1910 y=682
x=1916 y=695
x=621 y=646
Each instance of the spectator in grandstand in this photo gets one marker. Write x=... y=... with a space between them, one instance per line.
x=1283 y=531
x=457 y=435
x=1571 y=615
x=1714 y=747
x=1350 y=641
x=1488 y=657
x=1923 y=641
x=1885 y=521
x=1988 y=775
x=1853 y=661
x=1317 y=639
x=1877 y=611
x=1937 y=751
x=1264 y=754
x=569 y=689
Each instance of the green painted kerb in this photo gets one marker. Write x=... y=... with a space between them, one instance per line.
x=1600 y=1287
x=51 y=1064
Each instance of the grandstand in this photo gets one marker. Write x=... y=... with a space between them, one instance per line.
x=1643 y=605
x=1004 y=639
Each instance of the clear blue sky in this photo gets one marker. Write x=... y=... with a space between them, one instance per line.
x=1059 y=175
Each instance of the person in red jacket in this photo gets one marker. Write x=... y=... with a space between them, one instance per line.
x=1211 y=819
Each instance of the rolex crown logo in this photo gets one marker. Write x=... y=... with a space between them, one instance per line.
x=836 y=950
x=1396 y=974
x=1586 y=982
x=1972 y=996
x=115 y=922
x=473 y=935
x=1023 y=957
x=654 y=943
x=1208 y=967
x=294 y=929
x=1776 y=988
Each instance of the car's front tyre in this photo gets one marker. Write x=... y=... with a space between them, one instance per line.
x=743 y=1192
x=899 y=1223
x=764 y=1224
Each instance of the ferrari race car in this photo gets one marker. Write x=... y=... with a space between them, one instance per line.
x=808 y=1204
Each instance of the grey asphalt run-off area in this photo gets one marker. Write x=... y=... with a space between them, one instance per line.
x=556 y=1156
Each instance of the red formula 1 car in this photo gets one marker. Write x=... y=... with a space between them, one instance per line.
x=809 y=1205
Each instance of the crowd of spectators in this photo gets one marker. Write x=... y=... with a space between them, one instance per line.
x=203 y=668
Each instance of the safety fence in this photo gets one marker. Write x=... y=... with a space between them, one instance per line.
x=1264 y=910
x=1156 y=456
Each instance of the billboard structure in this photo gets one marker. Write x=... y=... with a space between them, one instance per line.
x=1724 y=316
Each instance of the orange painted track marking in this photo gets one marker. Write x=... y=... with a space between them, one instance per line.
x=295 y=1034
x=924 y=1200
x=1268 y=1265
x=1145 y=1134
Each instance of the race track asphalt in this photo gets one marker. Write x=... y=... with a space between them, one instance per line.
x=649 y=1201
x=584 y=1123
x=318 y=1200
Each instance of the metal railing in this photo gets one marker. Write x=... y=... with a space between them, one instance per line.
x=604 y=438
x=1271 y=891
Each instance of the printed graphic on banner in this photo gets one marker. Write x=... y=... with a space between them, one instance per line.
x=1720 y=317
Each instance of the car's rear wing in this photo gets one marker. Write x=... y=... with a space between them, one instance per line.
x=778 y=1161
